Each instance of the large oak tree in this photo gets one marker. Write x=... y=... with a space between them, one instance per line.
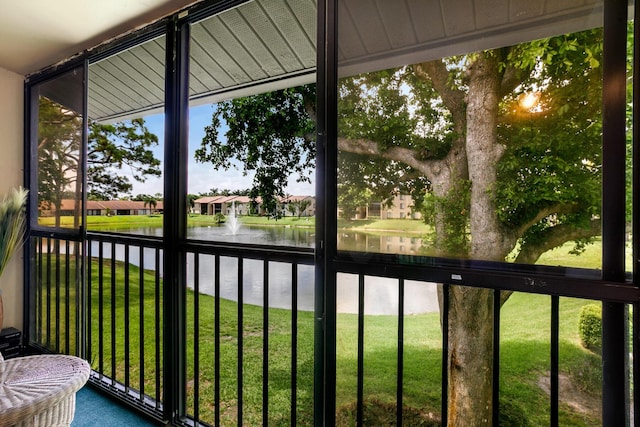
x=499 y=180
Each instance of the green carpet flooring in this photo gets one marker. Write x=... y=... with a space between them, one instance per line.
x=95 y=409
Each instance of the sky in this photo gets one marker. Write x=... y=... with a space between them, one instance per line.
x=202 y=177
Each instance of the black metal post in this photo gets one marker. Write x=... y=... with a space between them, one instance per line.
x=496 y=357
x=174 y=221
x=360 y=370
x=326 y=222
x=555 y=359
x=636 y=208
x=400 y=355
x=444 y=318
x=614 y=321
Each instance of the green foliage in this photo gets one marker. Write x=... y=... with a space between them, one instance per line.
x=114 y=146
x=12 y=224
x=377 y=107
x=219 y=218
x=350 y=198
x=590 y=326
x=110 y=148
x=452 y=211
x=59 y=139
x=270 y=134
x=553 y=152
x=225 y=192
x=374 y=106
x=302 y=205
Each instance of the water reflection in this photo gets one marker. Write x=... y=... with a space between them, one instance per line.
x=379 y=243
x=349 y=240
x=380 y=297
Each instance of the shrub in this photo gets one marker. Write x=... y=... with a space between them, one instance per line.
x=590 y=326
x=512 y=414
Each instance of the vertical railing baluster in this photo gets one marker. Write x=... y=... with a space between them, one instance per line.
x=158 y=328
x=445 y=354
x=496 y=358
x=216 y=399
x=360 y=386
x=636 y=360
x=57 y=297
x=555 y=359
x=67 y=299
x=113 y=314
x=39 y=292
x=294 y=342
x=240 y=338
x=89 y=295
x=127 y=347
x=79 y=308
x=141 y=322
x=265 y=343
x=196 y=336
x=48 y=299
x=400 y=368
x=101 y=308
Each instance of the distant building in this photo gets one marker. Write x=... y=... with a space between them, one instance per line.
x=211 y=205
x=106 y=207
x=401 y=208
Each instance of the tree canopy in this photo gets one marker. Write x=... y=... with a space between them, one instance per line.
x=500 y=148
x=111 y=147
x=271 y=134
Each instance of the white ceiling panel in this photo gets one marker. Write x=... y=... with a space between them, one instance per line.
x=270 y=44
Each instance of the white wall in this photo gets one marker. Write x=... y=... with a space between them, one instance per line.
x=11 y=170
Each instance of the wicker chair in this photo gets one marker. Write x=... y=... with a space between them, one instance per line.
x=40 y=390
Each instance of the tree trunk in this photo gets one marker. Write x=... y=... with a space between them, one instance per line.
x=470 y=365
x=488 y=239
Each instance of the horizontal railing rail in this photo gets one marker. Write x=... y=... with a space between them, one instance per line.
x=250 y=324
x=120 y=307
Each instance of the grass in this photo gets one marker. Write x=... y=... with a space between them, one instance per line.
x=128 y=221
x=412 y=226
x=95 y=222
x=525 y=361
x=524 y=352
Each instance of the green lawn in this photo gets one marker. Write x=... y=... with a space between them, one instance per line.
x=524 y=353
x=126 y=221
x=525 y=360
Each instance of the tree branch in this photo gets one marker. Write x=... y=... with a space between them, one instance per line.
x=430 y=168
x=455 y=101
x=453 y=98
x=554 y=237
x=511 y=79
x=559 y=208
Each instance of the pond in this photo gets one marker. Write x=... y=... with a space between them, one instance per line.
x=380 y=297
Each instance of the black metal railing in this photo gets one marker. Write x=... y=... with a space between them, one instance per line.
x=245 y=308
x=124 y=317
x=230 y=359
x=550 y=292
x=249 y=327
x=57 y=322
